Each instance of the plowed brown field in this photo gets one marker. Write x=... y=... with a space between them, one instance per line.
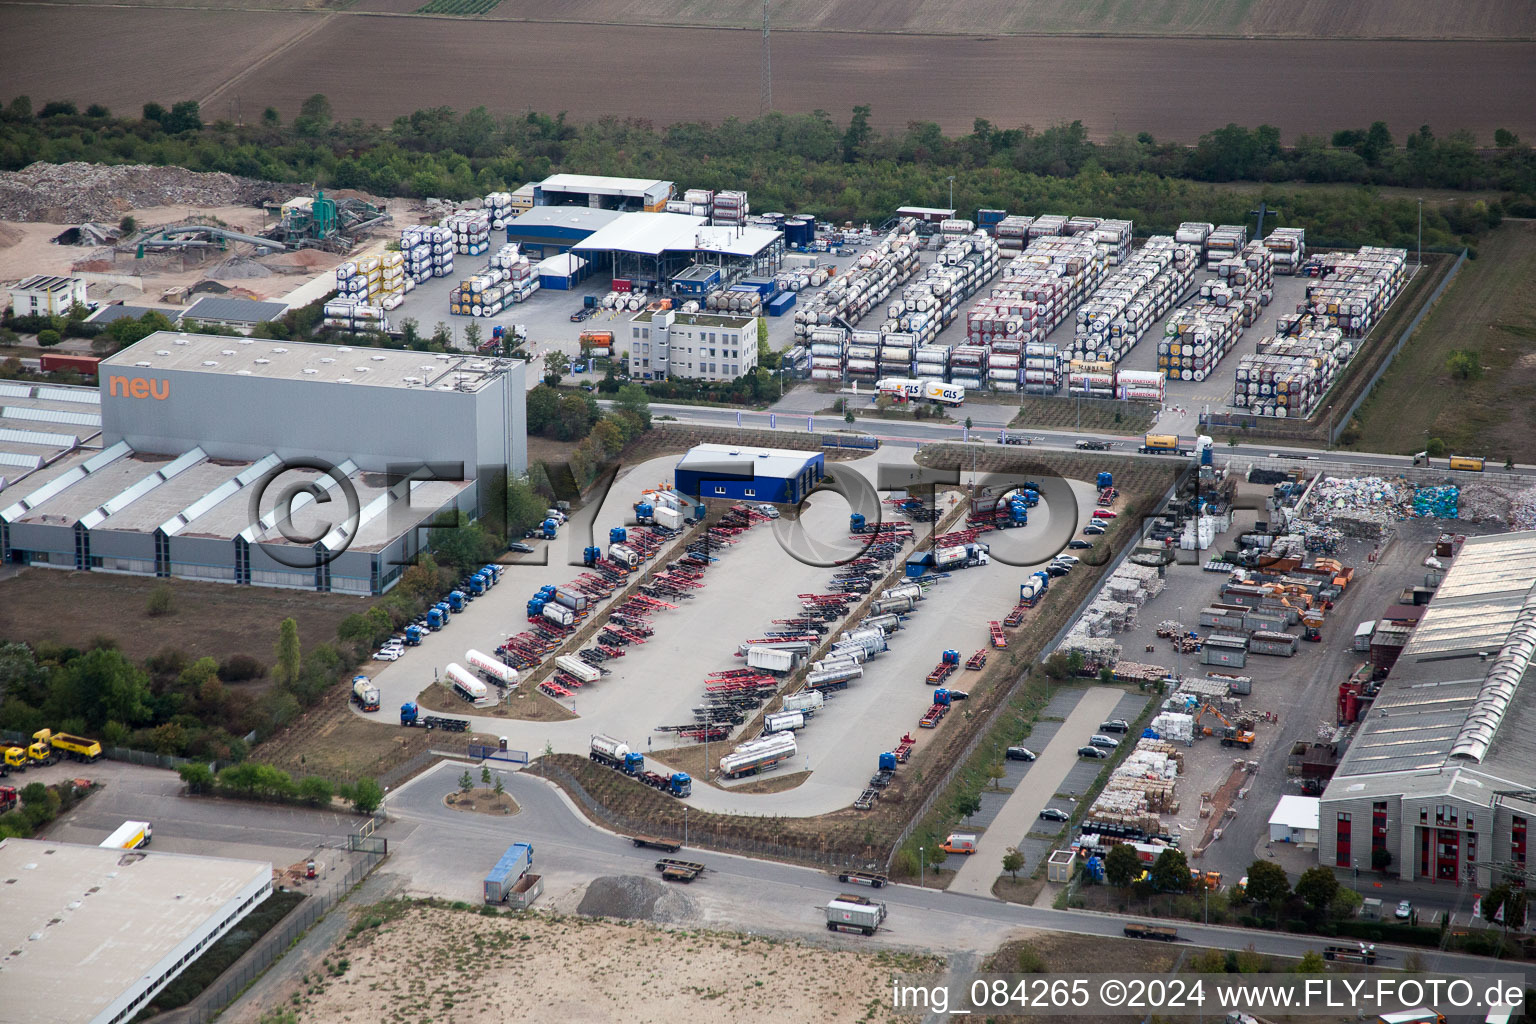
x=378 y=66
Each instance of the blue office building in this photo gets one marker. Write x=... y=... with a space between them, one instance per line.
x=742 y=473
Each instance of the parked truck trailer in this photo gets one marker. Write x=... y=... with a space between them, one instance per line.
x=463 y=683
x=364 y=694
x=850 y=912
x=492 y=668
x=508 y=870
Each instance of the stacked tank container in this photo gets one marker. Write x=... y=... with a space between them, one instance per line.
x=727 y=208
x=1012 y=233
x=1352 y=290
x=875 y=274
x=521 y=276
x=373 y=280
x=929 y=305
x=1139 y=385
x=1195 y=338
x=1288 y=375
x=498 y=207
x=1194 y=232
x=1089 y=379
x=393 y=280
x=427 y=252
x=1289 y=246
x=1225 y=241
x=1043 y=372
x=471 y=232
x=353 y=316
x=1132 y=299
x=828 y=348
x=1048 y=226
x=1113 y=237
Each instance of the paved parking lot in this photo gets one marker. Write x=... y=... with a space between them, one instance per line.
x=658 y=683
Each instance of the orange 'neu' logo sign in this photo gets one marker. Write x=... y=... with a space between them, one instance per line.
x=139 y=387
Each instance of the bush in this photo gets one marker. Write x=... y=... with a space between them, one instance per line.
x=48 y=338
x=240 y=668
x=161 y=601
x=315 y=791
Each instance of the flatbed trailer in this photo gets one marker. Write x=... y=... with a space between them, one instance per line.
x=653 y=843
x=679 y=870
x=869 y=878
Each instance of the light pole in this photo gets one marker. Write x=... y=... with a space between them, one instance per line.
x=1178 y=644
x=685 y=824
x=922 y=867
x=1421 y=231
x=1328 y=446
x=1357 y=874
x=952 y=193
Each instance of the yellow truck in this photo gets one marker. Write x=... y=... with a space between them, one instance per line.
x=12 y=759
x=41 y=750
x=76 y=748
x=1165 y=444
x=1469 y=463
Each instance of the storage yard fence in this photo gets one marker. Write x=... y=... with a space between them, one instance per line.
x=267 y=949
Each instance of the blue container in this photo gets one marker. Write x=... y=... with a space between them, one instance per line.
x=781 y=303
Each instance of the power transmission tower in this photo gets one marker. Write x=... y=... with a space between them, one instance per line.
x=766 y=98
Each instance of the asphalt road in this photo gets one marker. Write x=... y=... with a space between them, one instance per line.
x=446 y=852
x=987 y=418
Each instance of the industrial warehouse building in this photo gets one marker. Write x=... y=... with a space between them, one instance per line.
x=651 y=249
x=237 y=314
x=41 y=423
x=202 y=435
x=91 y=934
x=701 y=346
x=740 y=473
x=1441 y=774
x=601 y=192
x=546 y=231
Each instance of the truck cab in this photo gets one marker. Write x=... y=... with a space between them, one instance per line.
x=456 y=601
x=12 y=759
x=409 y=713
x=413 y=635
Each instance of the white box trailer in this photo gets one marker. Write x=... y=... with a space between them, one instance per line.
x=805 y=701
x=854 y=913
x=574 y=666
x=770 y=659
x=130 y=835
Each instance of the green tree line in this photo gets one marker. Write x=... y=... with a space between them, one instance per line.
x=810 y=163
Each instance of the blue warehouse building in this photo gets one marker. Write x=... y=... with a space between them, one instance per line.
x=740 y=473
x=546 y=231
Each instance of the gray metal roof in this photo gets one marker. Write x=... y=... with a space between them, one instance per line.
x=242 y=310
x=117 y=311
x=1456 y=699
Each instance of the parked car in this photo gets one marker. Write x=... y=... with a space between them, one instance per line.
x=959 y=695
x=1054 y=814
x=1104 y=513
x=1054 y=570
x=1100 y=740
x=1115 y=725
x=520 y=547
x=1093 y=752
x=388 y=654
x=767 y=510
x=1068 y=559
x=1020 y=754
x=1080 y=545
x=1093 y=529
x=1404 y=910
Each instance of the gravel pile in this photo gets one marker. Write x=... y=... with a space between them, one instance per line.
x=1513 y=506
x=75 y=192
x=636 y=898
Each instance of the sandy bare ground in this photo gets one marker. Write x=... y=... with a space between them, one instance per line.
x=1173 y=88
x=458 y=966
x=27 y=248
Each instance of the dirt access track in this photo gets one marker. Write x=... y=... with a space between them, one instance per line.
x=1174 y=88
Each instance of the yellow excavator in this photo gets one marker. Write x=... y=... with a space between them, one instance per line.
x=1231 y=735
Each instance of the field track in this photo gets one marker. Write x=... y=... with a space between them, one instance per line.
x=377 y=67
